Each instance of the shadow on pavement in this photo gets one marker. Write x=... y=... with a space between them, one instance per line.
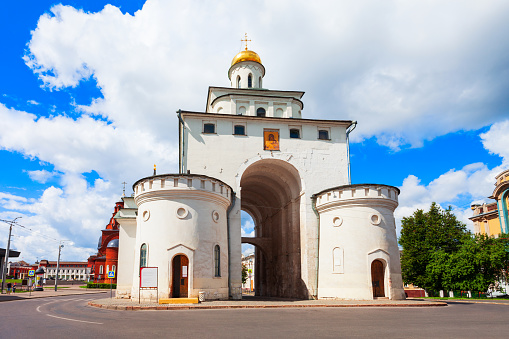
x=10 y=297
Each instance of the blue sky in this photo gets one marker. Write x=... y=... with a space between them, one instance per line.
x=88 y=91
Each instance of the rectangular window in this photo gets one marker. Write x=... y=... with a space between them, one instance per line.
x=239 y=130
x=294 y=133
x=271 y=140
x=323 y=134
x=209 y=128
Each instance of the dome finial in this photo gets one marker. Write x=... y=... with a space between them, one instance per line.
x=245 y=40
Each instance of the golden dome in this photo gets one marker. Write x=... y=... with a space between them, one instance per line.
x=246 y=55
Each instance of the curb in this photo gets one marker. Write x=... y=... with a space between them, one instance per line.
x=211 y=307
x=50 y=296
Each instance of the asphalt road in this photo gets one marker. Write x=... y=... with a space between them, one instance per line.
x=71 y=317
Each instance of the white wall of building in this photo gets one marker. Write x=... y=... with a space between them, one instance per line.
x=182 y=215
x=357 y=226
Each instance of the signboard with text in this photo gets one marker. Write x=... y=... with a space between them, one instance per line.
x=148 y=277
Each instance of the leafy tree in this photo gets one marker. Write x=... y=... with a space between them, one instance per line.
x=439 y=253
x=480 y=261
x=244 y=274
x=427 y=239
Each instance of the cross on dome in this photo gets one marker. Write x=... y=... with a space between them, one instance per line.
x=245 y=40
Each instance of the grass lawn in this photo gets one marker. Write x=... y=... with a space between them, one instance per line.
x=17 y=281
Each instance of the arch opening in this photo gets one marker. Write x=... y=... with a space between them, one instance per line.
x=179 y=272
x=377 y=278
x=270 y=193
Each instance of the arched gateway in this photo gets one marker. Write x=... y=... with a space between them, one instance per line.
x=316 y=235
x=270 y=193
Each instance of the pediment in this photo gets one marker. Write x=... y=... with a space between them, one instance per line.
x=180 y=246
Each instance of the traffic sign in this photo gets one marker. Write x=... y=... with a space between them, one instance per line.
x=111 y=274
x=31 y=273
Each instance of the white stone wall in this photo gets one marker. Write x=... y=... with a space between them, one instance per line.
x=126 y=253
x=242 y=70
x=357 y=226
x=320 y=163
x=182 y=215
x=241 y=102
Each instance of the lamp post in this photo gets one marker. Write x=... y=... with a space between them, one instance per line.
x=58 y=265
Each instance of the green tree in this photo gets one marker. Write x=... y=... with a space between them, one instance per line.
x=244 y=274
x=428 y=238
x=480 y=261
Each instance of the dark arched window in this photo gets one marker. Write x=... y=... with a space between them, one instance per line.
x=238 y=81
x=250 y=81
x=260 y=112
x=143 y=255
x=260 y=82
x=217 y=261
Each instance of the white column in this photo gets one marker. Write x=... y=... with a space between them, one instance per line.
x=252 y=110
x=270 y=113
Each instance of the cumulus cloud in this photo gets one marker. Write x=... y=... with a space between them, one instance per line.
x=405 y=80
x=247 y=229
x=41 y=176
x=458 y=188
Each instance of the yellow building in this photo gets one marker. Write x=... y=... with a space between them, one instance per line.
x=492 y=218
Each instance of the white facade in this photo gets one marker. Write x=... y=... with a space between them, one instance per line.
x=357 y=227
x=67 y=271
x=228 y=163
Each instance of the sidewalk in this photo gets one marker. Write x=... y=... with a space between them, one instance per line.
x=50 y=292
x=254 y=302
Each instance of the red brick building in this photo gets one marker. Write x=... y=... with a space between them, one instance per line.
x=19 y=269
x=106 y=258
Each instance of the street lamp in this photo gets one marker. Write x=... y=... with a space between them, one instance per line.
x=58 y=265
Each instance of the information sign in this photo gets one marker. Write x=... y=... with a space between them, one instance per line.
x=148 y=277
x=111 y=274
x=31 y=273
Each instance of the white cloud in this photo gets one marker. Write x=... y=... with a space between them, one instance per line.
x=247 y=229
x=41 y=176
x=405 y=80
x=381 y=63
x=458 y=188
x=496 y=140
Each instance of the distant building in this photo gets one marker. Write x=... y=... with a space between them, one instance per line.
x=249 y=262
x=67 y=270
x=106 y=258
x=19 y=269
x=492 y=218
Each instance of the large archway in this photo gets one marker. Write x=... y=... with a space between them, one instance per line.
x=270 y=193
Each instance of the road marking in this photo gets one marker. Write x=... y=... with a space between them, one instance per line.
x=54 y=316
x=81 y=321
x=51 y=302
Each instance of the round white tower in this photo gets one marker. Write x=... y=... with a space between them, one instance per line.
x=358 y=249
x=246 y=70
x=182 y=230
